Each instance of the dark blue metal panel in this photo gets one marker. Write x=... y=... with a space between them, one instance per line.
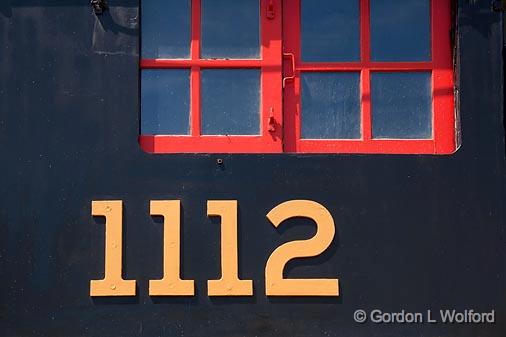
x=413 y=232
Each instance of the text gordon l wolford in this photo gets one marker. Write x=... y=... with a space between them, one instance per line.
x=446 y=316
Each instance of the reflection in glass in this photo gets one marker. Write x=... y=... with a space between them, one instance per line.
x=230 y=29
x=401 y=105
x=330 y=30
x=330 y=105
x=230 y=101
x=165 y=102
x=165 y=29
x=400 y=30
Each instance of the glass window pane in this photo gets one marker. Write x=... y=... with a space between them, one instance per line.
x=230 y=102
x=165 y=28
x=400 y=30
x=330 y=105
x=401 y=105
x=330 y=30
x=230 y=29
x=165 y=102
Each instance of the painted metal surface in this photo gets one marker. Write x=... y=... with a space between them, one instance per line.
x=412 y=232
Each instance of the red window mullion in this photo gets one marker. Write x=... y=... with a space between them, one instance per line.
x=307 y=66
x=271 y=114
x=195 y=102
x=365 y=76
x=291 y=39
x=195 y=30
x=373 y=66
x=365 y=32
x=174 y=64
x=195 y=70
x=365 y=97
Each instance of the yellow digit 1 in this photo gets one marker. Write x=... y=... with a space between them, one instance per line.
x=229 y=284
x=171 y=284
x=113 y=283
x=275 y=283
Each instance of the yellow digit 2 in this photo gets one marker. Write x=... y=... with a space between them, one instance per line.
x=171 y=283
x=275 y=283
x=113 y=283
x=229 y=284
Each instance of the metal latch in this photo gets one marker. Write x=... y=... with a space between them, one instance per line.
x=292 y=63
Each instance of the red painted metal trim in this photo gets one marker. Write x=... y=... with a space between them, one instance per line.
x=386 y=146
x=195 y=70
x=365 y=77
x=443 y=141
x=195 y=27
x=195 y=102
x=272 y=91
x=271 y=114
x=164 y=63
x=291 y=34
x=365 y=97
x=327 y=66
x=442 y=79
x=208 y=144
x=374 y=66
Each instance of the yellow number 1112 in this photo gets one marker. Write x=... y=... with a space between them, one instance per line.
x=229 y=284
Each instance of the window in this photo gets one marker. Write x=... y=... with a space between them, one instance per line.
x=211 y=76
x=303 y=76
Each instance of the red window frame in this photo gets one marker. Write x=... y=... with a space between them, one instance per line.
x=280 y=109
x=441 y=66
x=271 y=114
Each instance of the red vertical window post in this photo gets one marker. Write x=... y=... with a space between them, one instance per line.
x=443 y=79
